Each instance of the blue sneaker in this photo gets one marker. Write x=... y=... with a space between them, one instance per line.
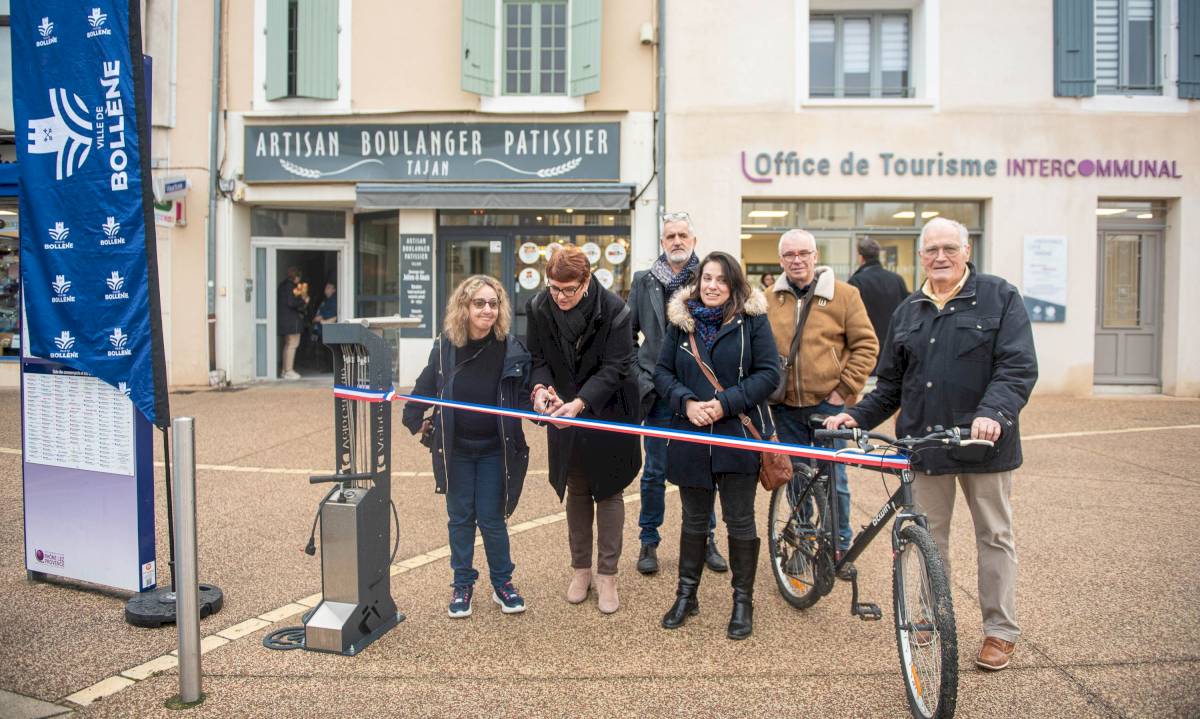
x=509 y=600
x=460 y=602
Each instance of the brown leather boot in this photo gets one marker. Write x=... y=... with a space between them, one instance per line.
x=577 y=591
x=995 y=654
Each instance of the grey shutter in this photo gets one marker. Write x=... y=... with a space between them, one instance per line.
x=1074 y=64
x=277 y=49
x=317 y=49
x=479 y=46
x=1189 y=49
x=584 y=47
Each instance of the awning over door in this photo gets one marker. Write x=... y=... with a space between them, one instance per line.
x=497 y=196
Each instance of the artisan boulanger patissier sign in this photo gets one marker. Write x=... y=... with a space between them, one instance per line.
x=440 y=152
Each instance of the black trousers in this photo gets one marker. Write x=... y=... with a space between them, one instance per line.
x=737 y=505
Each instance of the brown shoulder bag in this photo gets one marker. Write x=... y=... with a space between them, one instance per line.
x=774 y=469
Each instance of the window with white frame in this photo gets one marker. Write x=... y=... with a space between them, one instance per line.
x=531 y=48
x=860 y=55
x=535 y=47
x=1127 y=47
x=302 y=49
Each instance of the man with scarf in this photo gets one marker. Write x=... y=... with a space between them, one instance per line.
x=648 y=297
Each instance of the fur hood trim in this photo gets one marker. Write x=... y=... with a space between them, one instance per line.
x=678 y=315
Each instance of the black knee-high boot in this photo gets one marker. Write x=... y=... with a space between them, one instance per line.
x=743 y=562
x=691 y=564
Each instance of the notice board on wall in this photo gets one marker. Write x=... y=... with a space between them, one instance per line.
x=416 y=284
x=1045 y=278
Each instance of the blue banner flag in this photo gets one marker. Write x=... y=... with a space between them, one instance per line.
x=88 y=263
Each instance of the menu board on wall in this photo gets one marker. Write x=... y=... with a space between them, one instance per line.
x=416 y=284
x=1045 y=278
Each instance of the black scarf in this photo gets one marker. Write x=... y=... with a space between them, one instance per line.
x=573 y=323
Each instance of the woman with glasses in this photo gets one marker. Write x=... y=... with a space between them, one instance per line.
x=581 y=340
x=719 y=321
x=479 y=460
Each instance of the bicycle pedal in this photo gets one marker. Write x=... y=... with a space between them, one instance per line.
x=867 y=611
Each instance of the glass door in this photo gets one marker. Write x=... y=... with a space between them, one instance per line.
x=1127 y=309
x=463 y=256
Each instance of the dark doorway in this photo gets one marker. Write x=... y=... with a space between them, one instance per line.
x=317 y=268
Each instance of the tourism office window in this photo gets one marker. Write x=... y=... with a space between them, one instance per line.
x=1126 y=33
x=860 y=55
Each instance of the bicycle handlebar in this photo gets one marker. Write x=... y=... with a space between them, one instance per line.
x=952 y=437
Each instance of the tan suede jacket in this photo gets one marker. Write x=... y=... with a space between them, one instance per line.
x=838 y=348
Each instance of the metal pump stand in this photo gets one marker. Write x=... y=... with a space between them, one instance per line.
x=357 y=606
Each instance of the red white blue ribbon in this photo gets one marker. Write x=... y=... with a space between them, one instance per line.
x=845 y=456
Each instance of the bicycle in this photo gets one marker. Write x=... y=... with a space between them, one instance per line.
x=805 y=560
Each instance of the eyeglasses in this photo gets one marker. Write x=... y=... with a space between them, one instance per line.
x=675 y=217
x=790 y=257
x=567 y=292
x=951 y=251
x=479 y=303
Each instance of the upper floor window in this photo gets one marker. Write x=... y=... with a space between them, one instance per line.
x=859 y=55
x=1127 y=47
x=531 y=47
x=302 y=49
x=1124 y=47
x=535 y=47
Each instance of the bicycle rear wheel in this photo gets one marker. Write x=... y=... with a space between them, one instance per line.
x=926 y=636
x=800 y=561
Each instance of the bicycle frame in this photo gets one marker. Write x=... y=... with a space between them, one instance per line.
x=901 y=499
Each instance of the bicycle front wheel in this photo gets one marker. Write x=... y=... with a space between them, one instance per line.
x=802 y=568
x=926 y=637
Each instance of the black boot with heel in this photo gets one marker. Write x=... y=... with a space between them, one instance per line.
x=691 y=564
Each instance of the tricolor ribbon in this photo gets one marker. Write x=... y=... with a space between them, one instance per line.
x=845 y=456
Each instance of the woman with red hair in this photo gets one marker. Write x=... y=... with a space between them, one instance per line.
x=581 y=340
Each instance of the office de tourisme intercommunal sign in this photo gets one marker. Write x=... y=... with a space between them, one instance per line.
x=765 y=166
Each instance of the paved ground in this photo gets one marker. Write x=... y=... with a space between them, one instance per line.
x=1110 y=566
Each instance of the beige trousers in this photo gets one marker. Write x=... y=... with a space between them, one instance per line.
x=290 y=343
x=609 y=515
x=987 y=498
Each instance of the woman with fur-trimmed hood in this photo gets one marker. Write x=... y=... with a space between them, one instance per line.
x=726 y=321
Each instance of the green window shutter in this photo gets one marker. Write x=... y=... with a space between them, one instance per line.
x=277 y=49
x=1189 y=49
x=317 y=49
x=479 y=46
x=585 y=47
x=1074 y=42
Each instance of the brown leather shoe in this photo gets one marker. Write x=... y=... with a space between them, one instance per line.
x=995 y=654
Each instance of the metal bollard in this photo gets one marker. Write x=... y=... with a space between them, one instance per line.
x=187 y=606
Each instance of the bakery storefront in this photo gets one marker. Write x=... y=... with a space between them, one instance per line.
x=396 y=215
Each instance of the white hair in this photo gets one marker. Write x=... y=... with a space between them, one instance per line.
x=795 y=234
x=683 y=217
x=945 y=223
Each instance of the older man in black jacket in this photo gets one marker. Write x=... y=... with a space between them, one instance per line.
x=960 y=353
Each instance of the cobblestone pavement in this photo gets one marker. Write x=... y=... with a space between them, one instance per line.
x=1105 y=526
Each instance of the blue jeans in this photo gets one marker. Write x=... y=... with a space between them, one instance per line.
x=792 y=425
x=475 y=497
x=654 y=477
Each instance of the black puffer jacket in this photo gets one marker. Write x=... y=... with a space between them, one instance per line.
x=746 y=363
x=604 y=377
x=974 y=358
x=437 y=380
